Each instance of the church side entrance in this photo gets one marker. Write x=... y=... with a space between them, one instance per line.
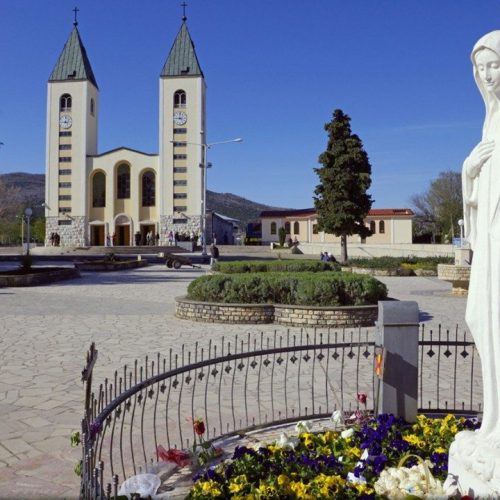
x=123 y=235
x=97 y=235
x=145 y=229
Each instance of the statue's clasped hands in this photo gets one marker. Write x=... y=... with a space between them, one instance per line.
x=479 y=156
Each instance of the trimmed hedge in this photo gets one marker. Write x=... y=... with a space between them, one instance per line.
x=263 y=266
x=430 y=263
x=308 y=289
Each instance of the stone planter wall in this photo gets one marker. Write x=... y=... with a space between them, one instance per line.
x=110 y=266
x=459 y=277
x=389 y=272
x=287 y=315
x=41 y=278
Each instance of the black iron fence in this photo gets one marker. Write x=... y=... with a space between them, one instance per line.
x=247 y=383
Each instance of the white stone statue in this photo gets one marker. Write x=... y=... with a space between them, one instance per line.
x=475 y=456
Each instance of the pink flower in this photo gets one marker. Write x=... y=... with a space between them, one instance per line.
x=362 y=398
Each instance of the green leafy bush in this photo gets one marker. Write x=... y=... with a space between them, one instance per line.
x=302 y=288
x=262 y=266
x=400 y=262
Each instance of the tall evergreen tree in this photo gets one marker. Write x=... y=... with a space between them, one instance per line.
x=341 y=200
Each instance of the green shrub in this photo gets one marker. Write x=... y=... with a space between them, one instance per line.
x=317 y=289
x=282 y=236
x=262 y=266
x=400 y=262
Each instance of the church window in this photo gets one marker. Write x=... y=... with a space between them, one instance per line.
x=64 y=146
x=64 y=159
x=180 y=130
x=65 y=171
x=65 y=133
x=373 y=227
x=180 y=221
x=179 y=99
x=180 y=170
x=180 y=183
x=180 y=157
x=287 y=227
x=315 y=228
x=64 y=197
x=381 y=227
x=180 y=144
x=296 y=228
x=180 y=208
x=64 y=210
x=148 y=189
x=65 y=184
x=65 y=222
x=99 y=190
x=92 y=107
x=273 y=227
x=123 y=182
x=180 y=196
x=65 y=103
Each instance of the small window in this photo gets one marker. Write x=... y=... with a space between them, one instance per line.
x=180 y=157
x=64 y=146
x=180 y=196
x=373 y=227
x=287 y=227
x=92 y=107
x=65 y=222
x=64 y=197
x=65 y=184
x=180 y=221
x=296 y=228
x=180 y=144
x=180 y=130
x=65 y=133
x=381 y=227
x=180 y=208
x=123 y=182
x=64 y=159
x=180 y=99
x=64 y=210
x=315 y=228
x=65 y=171
x=65 y=103
x=148 y=189
x=180 y=170
x=99 y=190
x=273 y=227
x=180 y=183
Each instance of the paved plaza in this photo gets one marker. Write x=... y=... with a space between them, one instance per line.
x=46 y=331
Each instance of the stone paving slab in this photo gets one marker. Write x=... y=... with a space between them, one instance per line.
x=45 y=332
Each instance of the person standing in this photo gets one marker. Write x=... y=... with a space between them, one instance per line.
x=214 y=255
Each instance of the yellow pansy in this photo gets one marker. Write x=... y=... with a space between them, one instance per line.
x=414 y=440
x=307 y=438
x=354 y=452
x=440 y=449
x=283 y=480
x=329 y=437
x=210 y=488
x=237 y=483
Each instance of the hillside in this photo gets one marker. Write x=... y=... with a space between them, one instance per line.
x=33 y=190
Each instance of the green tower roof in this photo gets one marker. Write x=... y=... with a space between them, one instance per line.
x=73 y=63
x=182 y=60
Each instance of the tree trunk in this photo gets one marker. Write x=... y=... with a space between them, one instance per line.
x=343 y=249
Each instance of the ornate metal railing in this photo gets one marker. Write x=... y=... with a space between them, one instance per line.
x=245 y=384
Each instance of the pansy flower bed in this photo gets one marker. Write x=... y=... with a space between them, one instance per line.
x=364 y=460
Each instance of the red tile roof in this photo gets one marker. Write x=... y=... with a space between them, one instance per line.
x=374 y=212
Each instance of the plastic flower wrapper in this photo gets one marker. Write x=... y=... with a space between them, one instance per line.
x=146 y=485
x=303 y=426
x=347 y=433
x=287 y=442
x=336 y=418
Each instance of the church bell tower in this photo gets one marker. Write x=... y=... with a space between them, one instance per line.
x=182 y=131
x=72 y=113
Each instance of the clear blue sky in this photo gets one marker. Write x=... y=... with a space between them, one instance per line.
x=275 y=70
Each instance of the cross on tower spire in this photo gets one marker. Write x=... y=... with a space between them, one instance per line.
x=184 y=5
x=76 y=10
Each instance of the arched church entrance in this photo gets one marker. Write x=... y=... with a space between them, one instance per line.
x=148 y=228
x=122 y=231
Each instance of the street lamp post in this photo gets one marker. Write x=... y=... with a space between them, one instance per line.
x=28 y=212
x=205 y=165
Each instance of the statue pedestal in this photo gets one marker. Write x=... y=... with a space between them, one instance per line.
x=475 y=462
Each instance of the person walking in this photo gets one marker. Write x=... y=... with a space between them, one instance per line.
x=214 y=255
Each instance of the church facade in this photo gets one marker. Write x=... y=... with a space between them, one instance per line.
x=93 y=196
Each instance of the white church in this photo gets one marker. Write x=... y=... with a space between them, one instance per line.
x=91 y=194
